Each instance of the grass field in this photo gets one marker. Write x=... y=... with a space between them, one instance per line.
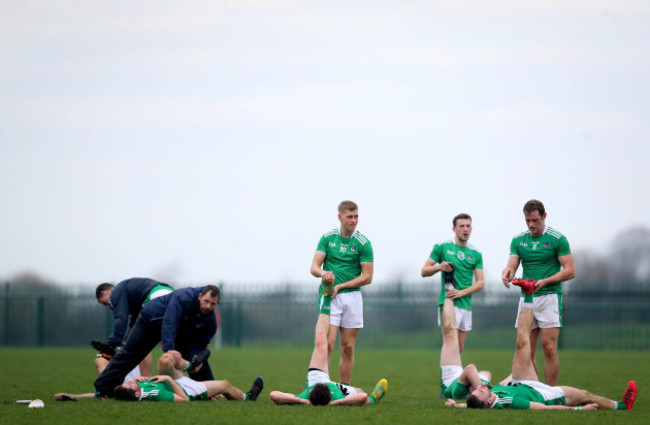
x=412 y=397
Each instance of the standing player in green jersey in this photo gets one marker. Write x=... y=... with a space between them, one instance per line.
x=319 y=389
x=546 y=257
x=460 y=263
x=526 y=392
x=344 y=262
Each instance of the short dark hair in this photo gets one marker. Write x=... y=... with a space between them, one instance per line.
x=101 y=288
x=320 y=395
x=124 y=394
x=462 y=216
x=213 y=290
x=474 y=403
x=534 y=205
x=347 y=206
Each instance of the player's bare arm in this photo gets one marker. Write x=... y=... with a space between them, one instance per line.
x=540 y=406
x=568 y=272
x=179 y=394
x=431 y=267
x=365 y=278
x=477 y=286
x=452 y=403
x=279 y=397
x=358 y=399
x=317 y=268
x=509 y=272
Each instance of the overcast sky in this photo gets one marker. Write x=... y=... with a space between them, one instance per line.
x=208 y=141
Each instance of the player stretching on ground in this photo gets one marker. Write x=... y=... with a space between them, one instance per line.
x=319 y=389
x=456 y=382
x=526 y=392
x=172 y=385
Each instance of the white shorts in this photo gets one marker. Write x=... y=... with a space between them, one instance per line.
x=547 y=311
x=132 y=375
x=346 y=310
x=317 y=376
x=463 y=318
x=191 y=387
x=548 y=392
x=449 y=373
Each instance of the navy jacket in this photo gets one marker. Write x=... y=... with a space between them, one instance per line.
x=179 y=314
x=127 y=299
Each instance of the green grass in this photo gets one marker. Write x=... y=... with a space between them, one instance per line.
x=412 y=397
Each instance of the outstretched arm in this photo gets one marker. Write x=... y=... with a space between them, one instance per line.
x=358 y=399
x=452 y=403
x=279 y=397
x=84 y=395
x=540 y=406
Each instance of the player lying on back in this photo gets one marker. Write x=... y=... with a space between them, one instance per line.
x=319 y=389
x=456 y=381
x=172 y=385
x=526 y=392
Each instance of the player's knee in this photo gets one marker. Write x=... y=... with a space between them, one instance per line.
x=347 y=350
x=448 y=328
x=166 y=361
x=522 y=343
x=550 y=348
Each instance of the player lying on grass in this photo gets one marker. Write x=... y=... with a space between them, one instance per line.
x=101 y=361
x=526 y=392
x=319 y=389
x=172 y=385
x=456 y=382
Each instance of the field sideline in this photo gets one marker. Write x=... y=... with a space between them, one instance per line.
x=413 y=376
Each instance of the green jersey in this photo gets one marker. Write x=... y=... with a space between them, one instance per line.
x=152 y=391
x=343 y=256
x=519 y=397
x=539 y=256
x=335 y=390
x=465 y=260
